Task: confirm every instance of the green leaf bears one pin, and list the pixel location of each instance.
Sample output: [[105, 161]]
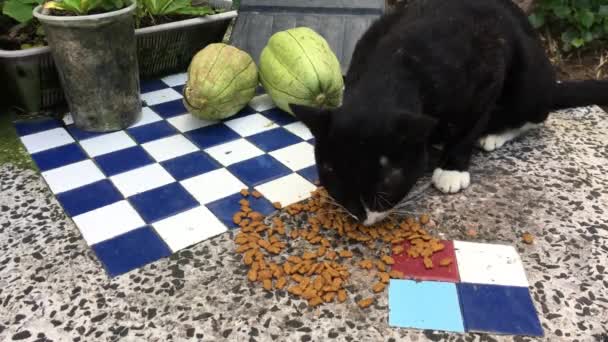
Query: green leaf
[[196, 10], [537, 20], [577, 42], [19, 10], [588, 36], [586, 18], [561, 11], [603, 11]]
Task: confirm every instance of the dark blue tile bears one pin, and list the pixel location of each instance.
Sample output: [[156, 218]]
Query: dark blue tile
[[131, 250], [59, 156], [153, 131], [274, 139], [310, 173], [89, 197], [498, 309], [278, 116], [147, 86], [190, 165], [258, 170], [209, 136], [170, 109], [311, 141], [35, 126], [225, 208], [179, 88], [79, 134], [123, 160], [160, 203]]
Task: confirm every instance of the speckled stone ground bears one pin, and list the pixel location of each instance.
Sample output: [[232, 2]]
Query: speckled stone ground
[[553, 183]]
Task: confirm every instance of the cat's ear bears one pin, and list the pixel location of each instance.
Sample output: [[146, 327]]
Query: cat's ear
[[317, 120], [414, 128]]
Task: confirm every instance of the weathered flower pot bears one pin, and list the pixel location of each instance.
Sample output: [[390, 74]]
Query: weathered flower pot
[[96, 58]]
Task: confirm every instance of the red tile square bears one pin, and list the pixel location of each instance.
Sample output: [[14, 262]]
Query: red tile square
[[414, 268]]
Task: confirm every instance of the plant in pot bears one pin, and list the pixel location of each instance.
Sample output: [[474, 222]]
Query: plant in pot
[[93, 46]]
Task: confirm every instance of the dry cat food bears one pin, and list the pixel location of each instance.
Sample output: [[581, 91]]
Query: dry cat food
[[319, 274], [528, 238]]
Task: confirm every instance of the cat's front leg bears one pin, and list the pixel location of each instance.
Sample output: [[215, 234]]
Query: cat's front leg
[[453, 174]]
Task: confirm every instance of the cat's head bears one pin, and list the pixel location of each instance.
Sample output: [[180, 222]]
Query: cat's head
[[367, 166]]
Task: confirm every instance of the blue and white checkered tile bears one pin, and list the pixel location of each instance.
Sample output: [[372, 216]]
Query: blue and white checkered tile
[[170, 180]]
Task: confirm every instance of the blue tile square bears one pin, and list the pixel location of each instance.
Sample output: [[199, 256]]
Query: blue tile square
[[170, 109], [499, 309], [79, 134], [131, 250], [243, 112], [258, 170], [427, 305], [310, 173], [179, 88], [160, 203], [225, 208], [35, 126], [89, 197], [59, 156], [190, 165], [279, 116], [209, 136], [147, 86], [152, 131], [274, 139], [123, 160]]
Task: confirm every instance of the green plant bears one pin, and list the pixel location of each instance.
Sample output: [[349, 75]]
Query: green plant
[[580, 22], [20, 10], [83, 7], [171, 7]]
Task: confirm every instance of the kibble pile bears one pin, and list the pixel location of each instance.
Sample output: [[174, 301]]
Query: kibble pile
[[319, 275]]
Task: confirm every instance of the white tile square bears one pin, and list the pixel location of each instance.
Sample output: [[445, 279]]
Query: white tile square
[[170, 147], [68, 119], [72, 176], [141, 179], [299, 129], [188, 122], [107, 143], [297, 156], [261, 103], [287, 190], [251, 124], [213, 185], [159, 96], [483, 263], [175, 79], [234, 152], [190, 227], [147, 117], [107, 222], [45, 140]]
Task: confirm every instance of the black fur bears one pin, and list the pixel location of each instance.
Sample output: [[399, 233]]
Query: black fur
[[433, 72]]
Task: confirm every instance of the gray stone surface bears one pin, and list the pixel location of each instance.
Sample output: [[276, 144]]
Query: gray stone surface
[[554, 183]]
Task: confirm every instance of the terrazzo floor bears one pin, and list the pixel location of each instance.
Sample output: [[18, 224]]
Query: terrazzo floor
[[552, 183]]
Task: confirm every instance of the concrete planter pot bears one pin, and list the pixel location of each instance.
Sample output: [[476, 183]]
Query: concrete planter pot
[[96, 58], [161, 50]]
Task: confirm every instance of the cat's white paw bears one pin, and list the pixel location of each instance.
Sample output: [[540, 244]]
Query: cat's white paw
[[492, 142], [449, 182]]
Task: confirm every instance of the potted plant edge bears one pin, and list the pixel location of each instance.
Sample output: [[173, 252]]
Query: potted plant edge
[[93, 46], [168, 34]]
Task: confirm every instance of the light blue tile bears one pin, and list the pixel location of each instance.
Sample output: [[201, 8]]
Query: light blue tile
[[424, 305]]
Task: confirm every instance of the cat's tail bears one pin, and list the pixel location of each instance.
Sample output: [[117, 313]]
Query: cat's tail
[[570, 94]]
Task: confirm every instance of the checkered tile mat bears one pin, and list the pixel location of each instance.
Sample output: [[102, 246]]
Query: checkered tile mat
[[484, 289], [170, 180]]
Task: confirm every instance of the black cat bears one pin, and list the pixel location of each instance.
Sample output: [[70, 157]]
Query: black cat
[[458, 73]]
